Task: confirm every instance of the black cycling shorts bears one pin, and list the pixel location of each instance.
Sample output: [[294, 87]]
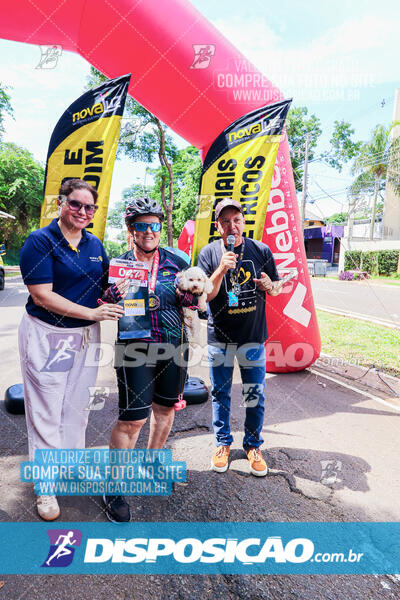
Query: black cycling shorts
[[143, 380]]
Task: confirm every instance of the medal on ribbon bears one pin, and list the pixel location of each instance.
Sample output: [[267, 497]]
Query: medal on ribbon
[[154, 300]]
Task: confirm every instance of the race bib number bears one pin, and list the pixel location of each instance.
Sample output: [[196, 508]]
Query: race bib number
[[119, 269]]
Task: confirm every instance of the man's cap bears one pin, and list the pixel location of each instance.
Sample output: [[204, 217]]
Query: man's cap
[[225, 203]]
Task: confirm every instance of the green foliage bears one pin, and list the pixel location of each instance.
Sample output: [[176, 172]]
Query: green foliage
[[373, 155], [352, 260], [5, 107], [338, 218], [138, 138], [115, 249], [369, 262], [377, 262], [11, 258], [343, 147], [360, 342], [364, 184], [186, 169], [21, 193], [144, 138], [387, 261], [116, 215], [298, 125], [371, 166]]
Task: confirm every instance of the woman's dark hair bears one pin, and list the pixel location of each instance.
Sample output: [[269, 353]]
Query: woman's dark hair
[[70, 185]]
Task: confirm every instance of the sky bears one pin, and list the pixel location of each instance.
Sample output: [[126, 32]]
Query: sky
[[341, 60]]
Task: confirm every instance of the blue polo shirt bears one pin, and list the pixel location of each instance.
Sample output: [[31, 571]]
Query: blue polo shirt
[[47, 257]]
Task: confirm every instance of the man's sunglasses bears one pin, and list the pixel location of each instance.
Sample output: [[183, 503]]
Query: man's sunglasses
[[142, 226], [76, 206]]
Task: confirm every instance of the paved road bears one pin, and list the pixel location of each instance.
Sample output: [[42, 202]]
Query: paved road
[[360, 297], [306, 423]]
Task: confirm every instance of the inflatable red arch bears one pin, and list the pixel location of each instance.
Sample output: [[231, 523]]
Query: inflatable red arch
[[197, 82]]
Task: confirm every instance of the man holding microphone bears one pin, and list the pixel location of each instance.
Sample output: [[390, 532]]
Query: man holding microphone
[[243, 271]]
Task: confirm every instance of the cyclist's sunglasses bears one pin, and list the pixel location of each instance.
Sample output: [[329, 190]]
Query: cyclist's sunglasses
[[142, 226], [76, 206]]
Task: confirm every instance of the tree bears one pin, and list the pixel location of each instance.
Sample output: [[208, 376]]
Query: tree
[[371, 167], [343, 147], [186, 169], [21, 193], [116, 215], [143, 138], [298, 125], [5, 107], [337, 218], [115, 249]]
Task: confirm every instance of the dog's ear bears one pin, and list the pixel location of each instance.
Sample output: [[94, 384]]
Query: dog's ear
[[182, 280], [209, 286]]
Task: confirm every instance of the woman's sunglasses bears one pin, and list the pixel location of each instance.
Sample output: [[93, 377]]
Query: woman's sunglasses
[[76, 206], [142, 226]]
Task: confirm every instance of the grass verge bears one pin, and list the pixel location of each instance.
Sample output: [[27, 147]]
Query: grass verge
[[373, 278], [385, 280], [360, 342]]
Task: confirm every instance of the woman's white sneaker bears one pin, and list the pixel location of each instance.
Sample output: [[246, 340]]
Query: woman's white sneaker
[[47, 507]]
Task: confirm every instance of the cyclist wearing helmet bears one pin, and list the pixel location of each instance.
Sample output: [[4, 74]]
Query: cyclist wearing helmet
[[149, 385]]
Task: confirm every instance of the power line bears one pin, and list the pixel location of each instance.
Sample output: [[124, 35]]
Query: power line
[[317, 207], [322, 190]]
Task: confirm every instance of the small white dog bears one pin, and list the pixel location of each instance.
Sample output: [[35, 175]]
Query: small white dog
[[195, 281]]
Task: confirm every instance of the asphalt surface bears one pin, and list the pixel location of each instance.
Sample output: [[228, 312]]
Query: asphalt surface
[[308, 420], [358, 297]]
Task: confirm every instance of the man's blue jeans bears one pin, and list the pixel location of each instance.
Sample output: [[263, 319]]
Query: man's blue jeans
[[251, 359]]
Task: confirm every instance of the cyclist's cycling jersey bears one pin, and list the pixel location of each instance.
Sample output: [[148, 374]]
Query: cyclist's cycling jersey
[[166, 320]]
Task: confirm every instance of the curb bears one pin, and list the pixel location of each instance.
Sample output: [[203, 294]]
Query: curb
[[392, 401], [367, 318], [366, 378]]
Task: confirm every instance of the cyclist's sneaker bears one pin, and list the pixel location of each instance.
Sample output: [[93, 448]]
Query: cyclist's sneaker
[[219, 461], [117, 509], [47, 507], [258, 466]]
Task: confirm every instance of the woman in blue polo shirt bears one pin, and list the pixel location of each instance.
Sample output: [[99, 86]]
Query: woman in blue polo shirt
[[65, 269]]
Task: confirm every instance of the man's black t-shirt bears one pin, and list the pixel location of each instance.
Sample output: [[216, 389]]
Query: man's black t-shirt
[[246, 322]]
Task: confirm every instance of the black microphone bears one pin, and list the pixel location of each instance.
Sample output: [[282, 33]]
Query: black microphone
[[230, 240]]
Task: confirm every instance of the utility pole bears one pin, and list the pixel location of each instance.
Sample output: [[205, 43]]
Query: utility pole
[[350, 221], [373, 212], [305, 181]]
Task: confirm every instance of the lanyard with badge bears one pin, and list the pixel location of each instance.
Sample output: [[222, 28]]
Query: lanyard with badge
[[233, 294], [154, 300]]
